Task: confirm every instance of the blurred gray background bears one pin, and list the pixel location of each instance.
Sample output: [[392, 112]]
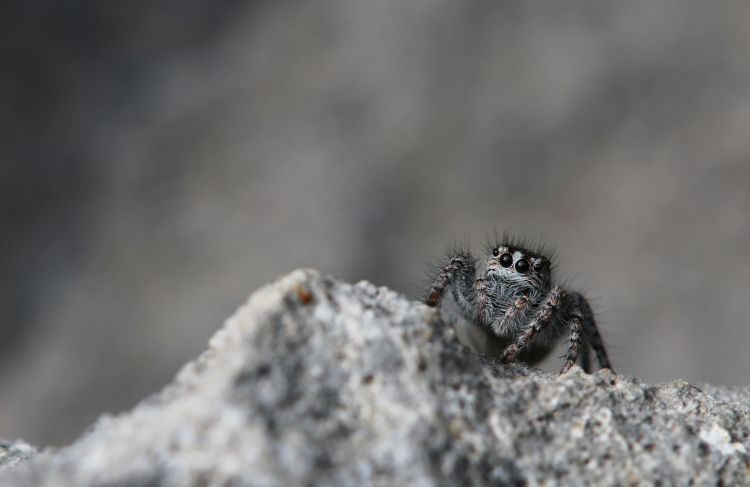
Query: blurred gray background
[[163, 159]]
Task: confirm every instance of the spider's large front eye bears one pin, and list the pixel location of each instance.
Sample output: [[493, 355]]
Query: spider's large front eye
[[506, 260], [522, 266]]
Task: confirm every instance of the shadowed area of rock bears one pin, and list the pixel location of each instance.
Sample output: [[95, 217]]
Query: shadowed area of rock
[[315, 381]]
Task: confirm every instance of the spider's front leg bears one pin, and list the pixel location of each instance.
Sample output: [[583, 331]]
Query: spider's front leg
[[458, 273], [541, 319]]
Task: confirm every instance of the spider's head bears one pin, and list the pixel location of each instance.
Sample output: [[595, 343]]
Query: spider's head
[[519, 266]]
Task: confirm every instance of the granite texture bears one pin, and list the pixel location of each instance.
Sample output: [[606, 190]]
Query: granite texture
[[14, 453], [318, 382]]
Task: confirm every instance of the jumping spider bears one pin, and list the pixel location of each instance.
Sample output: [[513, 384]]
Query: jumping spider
[[516, 297]]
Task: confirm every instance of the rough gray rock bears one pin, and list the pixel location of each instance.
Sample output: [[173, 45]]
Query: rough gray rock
[[14, 453], [315, 381]]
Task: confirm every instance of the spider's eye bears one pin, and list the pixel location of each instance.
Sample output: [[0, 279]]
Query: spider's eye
[[537, 266], [522, 266], [496, 252], [506, 260]]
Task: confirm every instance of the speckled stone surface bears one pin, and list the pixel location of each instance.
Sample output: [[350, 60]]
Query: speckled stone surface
[[315, 381], [14, 453]]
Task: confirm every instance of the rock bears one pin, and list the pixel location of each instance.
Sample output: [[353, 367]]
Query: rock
[[315, 381], [13, 453]]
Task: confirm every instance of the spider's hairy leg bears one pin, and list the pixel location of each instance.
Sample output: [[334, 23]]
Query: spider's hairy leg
[[575, 331], [458, 273], [592, 334], [547, 311], [586, 358]]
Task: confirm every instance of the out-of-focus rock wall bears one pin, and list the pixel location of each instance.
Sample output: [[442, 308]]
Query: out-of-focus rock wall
[[160, 160]]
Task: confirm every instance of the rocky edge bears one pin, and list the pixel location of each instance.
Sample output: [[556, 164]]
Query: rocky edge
[[315, 381]]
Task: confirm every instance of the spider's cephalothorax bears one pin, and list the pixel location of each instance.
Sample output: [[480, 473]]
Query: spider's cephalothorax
[[512, 292]]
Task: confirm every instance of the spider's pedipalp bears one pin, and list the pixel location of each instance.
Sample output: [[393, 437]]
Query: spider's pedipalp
[[514, 316]]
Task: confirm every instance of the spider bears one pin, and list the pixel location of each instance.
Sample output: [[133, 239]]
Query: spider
[[515, 295]]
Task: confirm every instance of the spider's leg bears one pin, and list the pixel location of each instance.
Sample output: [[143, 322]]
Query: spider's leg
[[575, 331], [458, 274], [547, 312], [592, 334], [586, 358], [464, 294]]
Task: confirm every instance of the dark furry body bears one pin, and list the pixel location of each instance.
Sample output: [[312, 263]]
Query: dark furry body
[[515, 296]]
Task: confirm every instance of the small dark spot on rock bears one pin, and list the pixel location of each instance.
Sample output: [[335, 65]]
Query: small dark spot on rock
[[368, 379], [704, 449], [323, 460], [252, 375], [461, 467]]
